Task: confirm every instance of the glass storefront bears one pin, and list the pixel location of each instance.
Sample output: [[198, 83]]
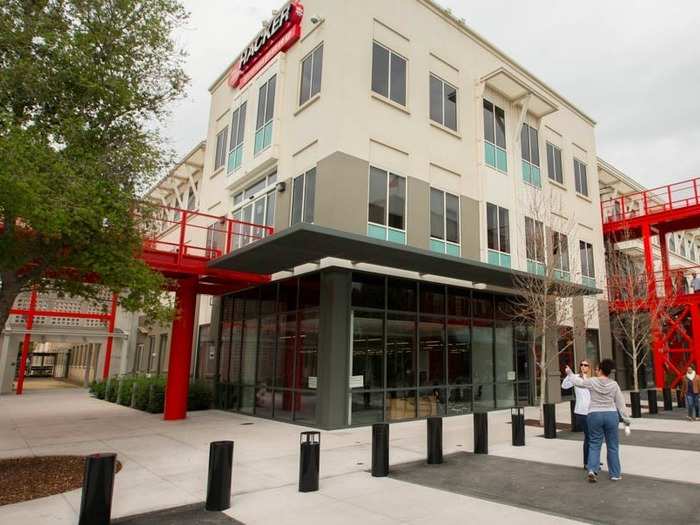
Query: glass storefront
[[421, 349], [267, 360]]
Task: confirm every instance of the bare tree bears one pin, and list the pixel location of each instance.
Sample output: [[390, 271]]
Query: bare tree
[[636, 318], [544, 300]]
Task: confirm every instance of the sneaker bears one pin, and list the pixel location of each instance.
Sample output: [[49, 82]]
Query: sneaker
[[592, 478], [618, 478], [690, 418]]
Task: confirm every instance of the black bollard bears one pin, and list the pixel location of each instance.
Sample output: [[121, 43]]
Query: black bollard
[[98, 484], [380, 450], [434, 440], [309, 461], [652, 401], [668, 399], [219, 480], [680, 399], [574, 422], [481, 433], [550, 421], [517, 419], [636, 402]]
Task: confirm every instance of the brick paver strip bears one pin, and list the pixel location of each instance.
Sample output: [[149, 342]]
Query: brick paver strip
[[650, 438], [187, 515], [559, 490]]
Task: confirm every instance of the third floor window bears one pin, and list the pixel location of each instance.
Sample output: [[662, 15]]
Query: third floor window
[[266, 112], [530, 151], [311, 70], [495, 137], [443, 103], [388, 74]]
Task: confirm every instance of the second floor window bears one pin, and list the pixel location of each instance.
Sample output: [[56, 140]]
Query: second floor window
[[580, 177], [303, 195], [311, 70], [388, 74], [498, 235], [560, 253], [266, 112], [495, 137], [554, 166], [587, 264], [443, 103], [221, 143], [387, 206], [235, 156], [444, 222], [530, 150], [534, 245]]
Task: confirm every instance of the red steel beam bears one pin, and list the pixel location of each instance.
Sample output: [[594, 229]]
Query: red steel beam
[[25, 344], [110, 338]]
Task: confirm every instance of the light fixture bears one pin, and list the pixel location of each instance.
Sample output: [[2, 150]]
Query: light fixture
[[281, 186], [315, 19]]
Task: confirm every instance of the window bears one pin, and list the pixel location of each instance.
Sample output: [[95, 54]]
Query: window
[[444, 222], [498, 235], [530, 149], [443, 103], [387, 206], [235, 156], [495, 137], [580, 177], [388, 74], [303, 195], [266, 112], [587, 266], [311, 70], [534, 246], [560, 253], [672, 242], [220, 155], [682, 244], [554, 169], [192, 198], [592, 346], [255, 205]]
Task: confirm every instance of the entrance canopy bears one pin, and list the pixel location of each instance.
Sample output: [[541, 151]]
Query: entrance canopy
[[309, 243]]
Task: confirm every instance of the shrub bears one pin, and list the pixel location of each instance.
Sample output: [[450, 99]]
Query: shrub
[[97, 389], [200, 396], [125, 390], [156, 396], [111, 396], [141, 394]]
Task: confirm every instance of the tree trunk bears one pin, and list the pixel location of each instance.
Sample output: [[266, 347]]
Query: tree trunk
[[11, 287], [543, 373], [635, 367]]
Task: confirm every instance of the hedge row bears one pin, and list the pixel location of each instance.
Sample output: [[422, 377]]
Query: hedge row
[[148, 393]]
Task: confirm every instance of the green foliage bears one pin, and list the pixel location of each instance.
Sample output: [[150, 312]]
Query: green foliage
[[125, 390], [156, 396], [200, 396], [97, 389], [112, 390], [83, 87]]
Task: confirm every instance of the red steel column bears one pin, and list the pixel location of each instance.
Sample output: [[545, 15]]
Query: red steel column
[[668, 284], [695, 320], [178, 384], [29, 323], [110, 339], [652, 301]]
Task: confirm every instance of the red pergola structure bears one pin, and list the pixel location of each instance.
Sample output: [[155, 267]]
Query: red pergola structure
[[676, 325], [179, 244]]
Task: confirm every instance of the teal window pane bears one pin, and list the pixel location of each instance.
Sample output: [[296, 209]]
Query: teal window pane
[[453, 249], [501, 160], [376, 232], [494, 258], [527, 176], [437, 246], [259, 138], [231, 162], [235, 159], [397, 236], [490, 154], [505, 260], [589, 281], [535, 267], [535, 175], [268, 135]]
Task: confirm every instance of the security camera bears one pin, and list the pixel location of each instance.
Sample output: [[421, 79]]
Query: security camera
[[315, 20]]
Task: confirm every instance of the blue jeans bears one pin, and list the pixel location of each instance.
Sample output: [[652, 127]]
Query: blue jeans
[[604, 425], [692, 401], [583, 424]]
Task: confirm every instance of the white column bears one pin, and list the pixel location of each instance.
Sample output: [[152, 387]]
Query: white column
[[8, 358]]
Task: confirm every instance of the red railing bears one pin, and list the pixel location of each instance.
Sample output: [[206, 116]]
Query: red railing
[[196, 235], [665, 198]]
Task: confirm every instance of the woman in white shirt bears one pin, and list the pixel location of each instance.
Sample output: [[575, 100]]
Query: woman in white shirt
[[583, 404]]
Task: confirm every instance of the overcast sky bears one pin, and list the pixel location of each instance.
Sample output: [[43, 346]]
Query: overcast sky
[[632, 65]]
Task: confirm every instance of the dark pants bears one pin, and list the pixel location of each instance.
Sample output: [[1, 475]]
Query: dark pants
[[582, 422], [692, 402]]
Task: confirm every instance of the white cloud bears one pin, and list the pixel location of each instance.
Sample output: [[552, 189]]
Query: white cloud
[[633, 66]]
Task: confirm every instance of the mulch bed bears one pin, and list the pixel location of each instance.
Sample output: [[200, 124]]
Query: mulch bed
[[27, 478]]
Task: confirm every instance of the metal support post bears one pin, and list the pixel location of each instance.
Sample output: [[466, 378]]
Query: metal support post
[[98, 485], [309, 461], [380, 450], [481, 433], [434, 440], [550, 421], [219, 479]]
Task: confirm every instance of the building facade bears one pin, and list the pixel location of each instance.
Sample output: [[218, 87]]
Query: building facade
[[370, 126]]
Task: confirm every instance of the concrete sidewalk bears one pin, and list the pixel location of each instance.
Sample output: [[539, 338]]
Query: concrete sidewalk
[[165, 463]]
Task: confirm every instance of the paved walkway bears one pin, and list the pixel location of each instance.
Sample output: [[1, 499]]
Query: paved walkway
[[165, 463]]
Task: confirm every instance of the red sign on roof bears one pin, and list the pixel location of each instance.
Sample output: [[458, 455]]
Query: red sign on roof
[[280, 34]]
